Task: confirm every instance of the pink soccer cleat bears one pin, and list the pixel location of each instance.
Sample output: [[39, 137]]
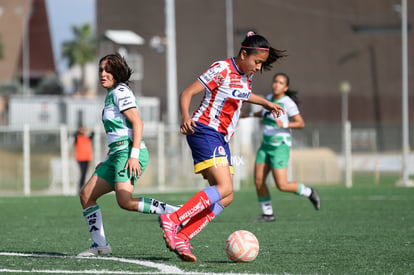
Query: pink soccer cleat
[[182, 249], [169, 229]]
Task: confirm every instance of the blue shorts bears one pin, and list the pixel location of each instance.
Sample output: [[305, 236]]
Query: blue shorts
[[209, 148]]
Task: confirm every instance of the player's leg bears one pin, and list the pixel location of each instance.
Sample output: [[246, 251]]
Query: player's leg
[[217, 171], [91, 191], [204, 144], [261, 171], [201, 209], [279, 159], [300, 189], [124, 192], [281, 181], [83, 165], [200, 201], [279, 164], [124, 187], [221, 179]]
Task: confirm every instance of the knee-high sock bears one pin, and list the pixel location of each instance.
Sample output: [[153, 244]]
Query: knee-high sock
[[200, 201], [93, 217], [153, 206], [199, 221]]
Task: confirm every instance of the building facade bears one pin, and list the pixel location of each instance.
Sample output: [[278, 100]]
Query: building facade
[[327, 42]]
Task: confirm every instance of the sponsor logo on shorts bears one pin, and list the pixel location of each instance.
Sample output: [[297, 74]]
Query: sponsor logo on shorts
[[220, 152]]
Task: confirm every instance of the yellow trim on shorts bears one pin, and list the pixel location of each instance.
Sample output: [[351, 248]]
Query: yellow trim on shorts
[[219, 161]]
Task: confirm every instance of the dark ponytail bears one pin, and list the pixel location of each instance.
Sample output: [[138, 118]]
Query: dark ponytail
[[253, 43], [290, 93]]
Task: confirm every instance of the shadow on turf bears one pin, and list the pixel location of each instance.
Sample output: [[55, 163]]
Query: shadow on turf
[[37, 254], [219, 262]]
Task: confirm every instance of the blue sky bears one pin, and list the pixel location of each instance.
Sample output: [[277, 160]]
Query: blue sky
[[63, 14]]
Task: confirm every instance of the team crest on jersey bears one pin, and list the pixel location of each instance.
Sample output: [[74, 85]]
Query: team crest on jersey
[[219, 79], [212, 72], [219, 151]]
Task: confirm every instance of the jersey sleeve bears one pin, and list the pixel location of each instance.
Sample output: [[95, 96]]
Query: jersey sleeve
[[124, 98], [291, 108], [214, 76]]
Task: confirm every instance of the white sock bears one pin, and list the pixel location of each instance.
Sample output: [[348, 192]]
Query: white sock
[[93, 217], [266, 206], [153, 206], [304, 190]]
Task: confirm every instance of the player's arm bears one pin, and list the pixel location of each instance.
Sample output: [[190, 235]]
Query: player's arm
[[295, 122], [276, 109], [251, 114], [134, 118], [187, 124]]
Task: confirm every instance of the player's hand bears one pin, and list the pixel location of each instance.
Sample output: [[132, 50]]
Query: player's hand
[[279, 123], [276, 109], [187, 126], [133, 166]]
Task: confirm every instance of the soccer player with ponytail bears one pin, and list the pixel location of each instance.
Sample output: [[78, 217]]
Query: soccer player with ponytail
[[273, 154], [226, 85]]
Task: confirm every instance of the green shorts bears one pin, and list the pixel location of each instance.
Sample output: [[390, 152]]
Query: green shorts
[[276, 156], [112, 170]]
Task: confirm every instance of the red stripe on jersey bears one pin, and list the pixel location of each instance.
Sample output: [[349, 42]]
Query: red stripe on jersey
[[227, 113], [202, 109]]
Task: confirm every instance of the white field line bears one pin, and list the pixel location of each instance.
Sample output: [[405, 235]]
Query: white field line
[[57, 271], [161, 268]]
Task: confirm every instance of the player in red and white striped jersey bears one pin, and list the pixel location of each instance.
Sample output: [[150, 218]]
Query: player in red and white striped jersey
[[226, 85]]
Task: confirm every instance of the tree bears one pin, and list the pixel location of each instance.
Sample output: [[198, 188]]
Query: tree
[[80, 50]]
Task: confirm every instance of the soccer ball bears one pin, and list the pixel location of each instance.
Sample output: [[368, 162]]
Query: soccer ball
[[242, 246]]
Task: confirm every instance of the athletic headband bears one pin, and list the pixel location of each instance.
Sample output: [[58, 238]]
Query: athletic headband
[[255, 48]]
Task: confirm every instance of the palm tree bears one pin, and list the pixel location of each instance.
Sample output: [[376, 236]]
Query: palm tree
[[80, 50]]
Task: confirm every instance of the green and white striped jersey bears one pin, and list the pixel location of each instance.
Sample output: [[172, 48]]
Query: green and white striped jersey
[[272, 134], [118, 129]]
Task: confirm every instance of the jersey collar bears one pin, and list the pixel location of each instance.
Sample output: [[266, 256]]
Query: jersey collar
[[233, 62]]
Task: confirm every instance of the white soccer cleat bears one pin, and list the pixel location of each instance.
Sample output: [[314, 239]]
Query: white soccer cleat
[[96, 250]]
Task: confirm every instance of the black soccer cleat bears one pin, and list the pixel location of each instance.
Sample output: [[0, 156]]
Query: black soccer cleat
[[265, 218], [314, 198]]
